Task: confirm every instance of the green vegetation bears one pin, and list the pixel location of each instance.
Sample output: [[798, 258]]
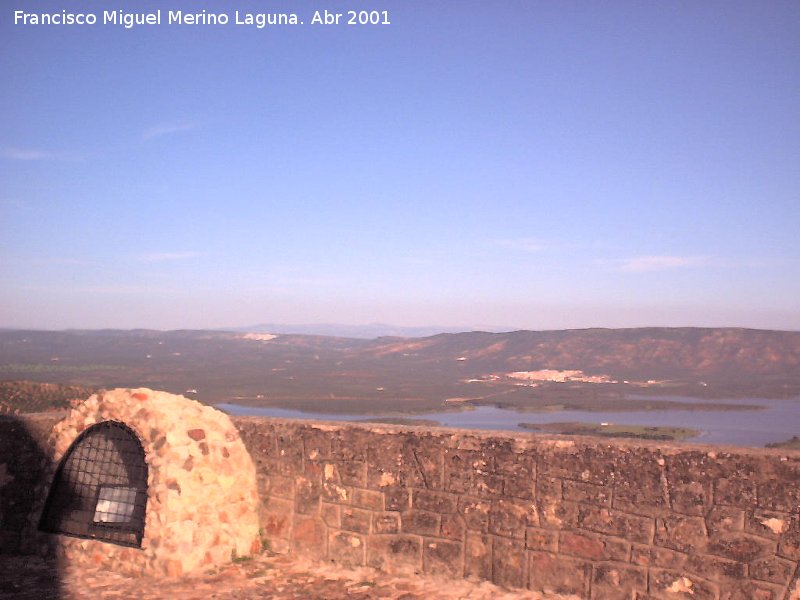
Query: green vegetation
[[791, 444], [642, 432], [29, 396], [54, 368], [402, 421], [235, 558]]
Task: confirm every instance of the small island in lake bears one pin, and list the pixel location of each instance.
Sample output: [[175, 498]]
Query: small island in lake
[[642, 432]]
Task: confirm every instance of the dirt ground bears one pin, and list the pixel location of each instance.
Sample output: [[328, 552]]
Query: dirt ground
[[273, 577]]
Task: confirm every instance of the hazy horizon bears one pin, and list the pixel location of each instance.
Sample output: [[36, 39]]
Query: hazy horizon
[[515, 165]]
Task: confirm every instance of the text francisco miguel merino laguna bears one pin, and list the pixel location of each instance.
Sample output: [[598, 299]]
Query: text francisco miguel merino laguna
[[173, 17]]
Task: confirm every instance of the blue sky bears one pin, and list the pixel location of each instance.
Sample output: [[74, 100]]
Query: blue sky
[[500, 164]]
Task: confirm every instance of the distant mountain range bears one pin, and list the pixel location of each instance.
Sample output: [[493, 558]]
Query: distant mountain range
[[413, 372], [367, 331]]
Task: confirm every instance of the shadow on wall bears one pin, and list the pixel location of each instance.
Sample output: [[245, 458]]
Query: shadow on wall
[[23, 467]]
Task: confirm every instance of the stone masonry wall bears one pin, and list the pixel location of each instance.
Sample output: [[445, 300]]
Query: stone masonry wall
[[602, 520]]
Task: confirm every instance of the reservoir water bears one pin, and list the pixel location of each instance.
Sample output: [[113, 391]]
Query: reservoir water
[[777, 421]]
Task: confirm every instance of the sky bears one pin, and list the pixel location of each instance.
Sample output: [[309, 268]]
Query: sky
[[508, 164]]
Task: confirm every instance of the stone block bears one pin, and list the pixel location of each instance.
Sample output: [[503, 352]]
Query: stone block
[[346, 549], [442, 558], [395, 553], [613, 581], [387, 522], [276, 517], [592, 546], [724, 519], [654, 556], [543, 540], [356, 519], [335, 493], [420, 522], [352, 473], [682, 533], [307, 494], [331, 515], [553, 574], [509, 518], [773, 569], [715, 568], [478, 556], [558, 514], [678, 585], [765, 523], [588, 493], [753, 590], [475, 513], [316, 444], [487, 485], [742, 547], [281, 486], [453, 527], [457, 472], [509, 563], [691, 498], [519, 484], [776, 495], [308, 537], [370, 499], [735, 491], [396, 498], [612, 522], [434, 501], [428, 462]]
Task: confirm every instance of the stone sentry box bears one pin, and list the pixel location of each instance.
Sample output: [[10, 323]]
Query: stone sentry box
[[147, 482]]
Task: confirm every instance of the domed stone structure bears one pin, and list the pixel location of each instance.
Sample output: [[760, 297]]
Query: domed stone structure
[[150, 483]]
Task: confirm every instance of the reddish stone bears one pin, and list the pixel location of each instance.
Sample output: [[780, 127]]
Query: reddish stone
[[347, 549], [386, 523], [679, 585], [442, 558], [395, 553], [612, 522], [368, 499], [308, 537], [509, 563], [356, 519], [555, 574], [418, 521], [453, 526], [541, 539], [139, 395], [196, 434], [679, 532], [743, 548], [434, 501], [510, 518], [618, 582], [592, 546], [478, 556]]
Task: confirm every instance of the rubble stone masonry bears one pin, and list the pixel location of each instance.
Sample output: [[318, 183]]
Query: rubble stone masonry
[[601, 520], [598, 519]]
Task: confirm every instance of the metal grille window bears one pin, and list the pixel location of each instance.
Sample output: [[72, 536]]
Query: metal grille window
[[100, 488]]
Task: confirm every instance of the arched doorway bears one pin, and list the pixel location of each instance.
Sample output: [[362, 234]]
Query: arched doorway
[[100, 488]]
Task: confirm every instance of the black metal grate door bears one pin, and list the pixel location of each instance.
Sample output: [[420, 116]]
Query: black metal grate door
[[100, 488]]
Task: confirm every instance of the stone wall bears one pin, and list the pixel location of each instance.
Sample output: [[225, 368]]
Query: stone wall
[[596, 519], [201, 485], [602, 520]]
